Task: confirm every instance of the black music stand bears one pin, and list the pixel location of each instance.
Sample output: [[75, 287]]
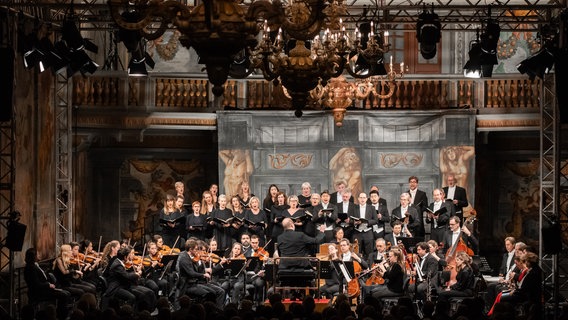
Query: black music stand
[[345, 271], [326, 270], [168, 261], [410, 242]]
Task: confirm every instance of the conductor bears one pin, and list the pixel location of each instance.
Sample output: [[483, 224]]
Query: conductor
[[294, 243]]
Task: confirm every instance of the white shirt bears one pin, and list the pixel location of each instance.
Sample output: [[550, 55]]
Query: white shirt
[[339, 197], [455, 236], [412, 195], [451, 193], [347, 256], [345, 207], [437, 206], [403, 211]]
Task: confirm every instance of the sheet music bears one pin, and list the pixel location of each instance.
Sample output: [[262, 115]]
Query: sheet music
[[344, 271]]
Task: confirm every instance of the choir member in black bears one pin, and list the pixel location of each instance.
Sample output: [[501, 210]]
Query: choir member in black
[[337, 196], [245, 195], [182, 191], [214, 190], [271, 197], [221, 230], [331, 286], [419, 200], [207, 204], [295, 213], [438, 216], [345, 208], [256, 220], [123, 284], [182, 211], [363, 230], [463, 287], [324, 214], [154, 270], [66, 274], [276, 216], [238, 224], [170, 221], [393, 274], [304, 198], [109, 254], [39, 286], [194, 274], [338, 234], [455, 195], [381, 215], [195, 223]]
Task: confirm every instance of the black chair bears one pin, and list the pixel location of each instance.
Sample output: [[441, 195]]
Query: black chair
[[297, 278]]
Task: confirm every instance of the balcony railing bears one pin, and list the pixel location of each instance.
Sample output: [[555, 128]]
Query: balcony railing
[[192, 93]]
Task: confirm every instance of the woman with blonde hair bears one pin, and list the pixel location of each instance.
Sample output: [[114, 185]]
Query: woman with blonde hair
[[67, 275], [463, 287], [392, 271], [207, 203], [245, 195]]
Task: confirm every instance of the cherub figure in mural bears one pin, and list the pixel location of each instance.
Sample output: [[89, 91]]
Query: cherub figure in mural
[[455, 160], [345, 165], [238, 168]]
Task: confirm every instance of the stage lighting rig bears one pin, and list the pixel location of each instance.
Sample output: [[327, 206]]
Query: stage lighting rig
[[428, 33]]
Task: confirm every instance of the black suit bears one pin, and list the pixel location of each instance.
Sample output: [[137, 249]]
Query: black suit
[[293, 243], [504, 266], [438, 231], [389, 238], [383, 222], [420, 202], [529, 290], [333, 198], [123, 285], [365, 238], [39, 289], [461, 196], [470, 241], [429, 269], [329, 219], [192, 279], [347, 229], [414, 223]]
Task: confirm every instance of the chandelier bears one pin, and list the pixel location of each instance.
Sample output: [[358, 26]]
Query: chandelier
[[300, 44]]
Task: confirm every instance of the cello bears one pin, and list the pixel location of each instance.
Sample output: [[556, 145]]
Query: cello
[[353, 288]]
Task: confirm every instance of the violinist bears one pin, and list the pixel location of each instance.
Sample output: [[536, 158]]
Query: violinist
[[153, 269], [124, 285], [64, 273], [393, 274], [246, 246], [92, 257], [78, 262], [464, 279], [257, 277], [194, 274], [195, 222], [109, 254], [455, 234], [380, 254]]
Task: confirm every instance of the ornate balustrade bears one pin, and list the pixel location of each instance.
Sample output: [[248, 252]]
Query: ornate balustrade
[[191, 93]]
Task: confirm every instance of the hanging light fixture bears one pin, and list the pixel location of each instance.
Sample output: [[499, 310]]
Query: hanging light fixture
[[542, 62], [483, 51], [428, 32]]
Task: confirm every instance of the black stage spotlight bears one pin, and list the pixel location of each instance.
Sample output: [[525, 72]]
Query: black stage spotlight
[[76, 45], [137, 65], [134, 43], [428, 33], [537, 65], [472, 68]]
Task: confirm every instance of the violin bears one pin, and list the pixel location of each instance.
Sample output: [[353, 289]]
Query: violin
[[166, 250], [261, 253], [136, 261], [209, 256]]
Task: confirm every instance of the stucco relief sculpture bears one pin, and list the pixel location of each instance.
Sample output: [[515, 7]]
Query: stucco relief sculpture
[[407, 159], [345, 166], [296, 161], [238, 168]]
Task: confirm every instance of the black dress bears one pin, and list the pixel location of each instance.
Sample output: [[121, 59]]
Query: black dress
[[198, 223], [221, 233], [260, 221]]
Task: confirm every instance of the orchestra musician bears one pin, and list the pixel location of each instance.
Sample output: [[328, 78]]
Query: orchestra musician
[[505, 271], [434, 248], [392, 273], [397, 233], [79, 262], [331, 286], [66, 273], [407, 215], [439, 219], [39, 285], [338, 234], [464, 279], [425, 270], [381, 214], [109, 254], [455, 234], [325, 214], [246, 249], [380, 254], [195, 222], [153, 269], [194, 274], [123, 284], [235, 282], [255, 274]]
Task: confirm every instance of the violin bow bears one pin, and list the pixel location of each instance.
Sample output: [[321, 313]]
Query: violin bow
[[175, 244], [100, 242]]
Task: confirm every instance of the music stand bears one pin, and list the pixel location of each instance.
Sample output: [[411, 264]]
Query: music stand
[[345, 269], [410, 242], [236, 266], [168, 261], [326, 270]]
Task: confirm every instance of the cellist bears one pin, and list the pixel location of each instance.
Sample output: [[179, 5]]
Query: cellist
[[359, 265]]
